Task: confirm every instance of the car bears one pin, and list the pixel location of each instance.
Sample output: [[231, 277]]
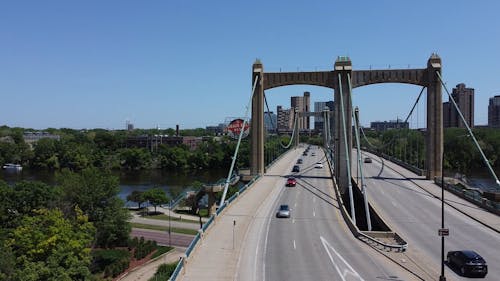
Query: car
[[291, 181], [467, 262], [313, 154], [368, 160], [283, 212], [296, 169], [318, 165], [299, 161], [304, 154]]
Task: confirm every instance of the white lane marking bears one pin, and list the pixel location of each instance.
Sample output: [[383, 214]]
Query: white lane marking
[[394, 203], [294, 246], [346, 267], [314, 199], [293, 220], [295, 205], [314, 213]]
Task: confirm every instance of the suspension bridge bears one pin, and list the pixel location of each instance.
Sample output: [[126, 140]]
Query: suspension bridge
[[352, 220]]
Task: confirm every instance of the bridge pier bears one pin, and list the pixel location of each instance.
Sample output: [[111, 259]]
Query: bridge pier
[[343, 67]]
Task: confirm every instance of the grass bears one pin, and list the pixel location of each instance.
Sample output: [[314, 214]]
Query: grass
[[160, 250], [165, 228]]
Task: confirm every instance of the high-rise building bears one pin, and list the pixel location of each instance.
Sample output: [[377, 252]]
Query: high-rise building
[[270, 121], [285, 119], [302, 105], [464, 97], [319, 107], [494, 112]]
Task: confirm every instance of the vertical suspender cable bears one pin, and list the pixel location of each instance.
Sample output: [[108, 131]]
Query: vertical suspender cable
[[470, 132], [348, 153], [363, 187], [226, 185]]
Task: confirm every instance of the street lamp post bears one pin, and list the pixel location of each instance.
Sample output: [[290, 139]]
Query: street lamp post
[[442, 277], [169, 225]]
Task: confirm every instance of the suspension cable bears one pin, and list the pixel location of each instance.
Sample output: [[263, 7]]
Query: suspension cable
[[293, 132], [269, 114], [228, 179], [486, 161], [348, 163], [363, 187]]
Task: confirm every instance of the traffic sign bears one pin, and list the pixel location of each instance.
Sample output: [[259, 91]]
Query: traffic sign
[[444, 232]]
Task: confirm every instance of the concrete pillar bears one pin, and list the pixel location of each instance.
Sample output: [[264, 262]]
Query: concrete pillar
[[343, 66], [434, 138], [257, 123]]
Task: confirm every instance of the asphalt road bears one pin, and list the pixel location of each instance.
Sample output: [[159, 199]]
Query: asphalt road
[[315, 243], [161, 237], [416, 216]]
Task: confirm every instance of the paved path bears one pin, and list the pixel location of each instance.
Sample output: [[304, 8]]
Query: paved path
[[216, 258], [146, 271]]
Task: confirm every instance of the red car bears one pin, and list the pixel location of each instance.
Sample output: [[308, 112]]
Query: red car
[[291, 181]]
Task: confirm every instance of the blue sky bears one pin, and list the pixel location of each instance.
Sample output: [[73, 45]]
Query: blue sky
[[95, 64]]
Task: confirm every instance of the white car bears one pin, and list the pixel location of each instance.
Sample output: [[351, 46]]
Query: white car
[[318, 165]]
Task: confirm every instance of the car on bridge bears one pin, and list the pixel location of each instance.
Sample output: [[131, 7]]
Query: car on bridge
[[368, 160], [291, 181], [283, 212], [299, 161], [318, 165], [296, 169], [467, 262]]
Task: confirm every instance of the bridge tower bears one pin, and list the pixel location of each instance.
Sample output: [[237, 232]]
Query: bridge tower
[[342, 68], [257, 165], [434, 137]]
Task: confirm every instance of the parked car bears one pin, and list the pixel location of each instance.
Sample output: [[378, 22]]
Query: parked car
[[299, 161], [291, 181], [368, 160], [283, 212], [296, 169], [467, 262], [318, 165]]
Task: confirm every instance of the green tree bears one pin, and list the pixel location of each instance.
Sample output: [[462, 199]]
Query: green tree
[[49, 247], [156, 196], [135, 158], [136, 196], [95, 192]]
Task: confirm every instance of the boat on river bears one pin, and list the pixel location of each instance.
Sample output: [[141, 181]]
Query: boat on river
[[12, 167]]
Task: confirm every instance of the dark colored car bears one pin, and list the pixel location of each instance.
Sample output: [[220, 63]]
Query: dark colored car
[[296, 169], [299, 161], [283, 212], [467, 262], [291, 181], [368, 160]]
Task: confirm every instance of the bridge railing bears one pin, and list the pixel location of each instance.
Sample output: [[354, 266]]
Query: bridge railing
[[204, 228]]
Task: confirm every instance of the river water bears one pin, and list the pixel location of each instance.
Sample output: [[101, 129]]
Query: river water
[[172, 182]]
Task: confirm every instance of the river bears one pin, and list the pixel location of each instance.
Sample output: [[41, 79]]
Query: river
[[169, 181]]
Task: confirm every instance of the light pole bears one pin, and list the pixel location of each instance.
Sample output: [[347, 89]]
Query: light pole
[[442, 277], [169, 225]]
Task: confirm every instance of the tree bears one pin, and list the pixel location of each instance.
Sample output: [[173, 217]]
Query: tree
[[95, 192], [135, 158], [156, 196], [136, 196], [48, 246]]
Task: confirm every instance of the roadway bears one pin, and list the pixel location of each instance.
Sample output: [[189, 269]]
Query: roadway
[[416, 215], [314, 243]]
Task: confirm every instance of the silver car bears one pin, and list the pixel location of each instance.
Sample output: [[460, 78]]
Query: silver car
[[283, 212]]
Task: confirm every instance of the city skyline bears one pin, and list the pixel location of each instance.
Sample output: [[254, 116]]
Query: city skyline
[[96, 65]]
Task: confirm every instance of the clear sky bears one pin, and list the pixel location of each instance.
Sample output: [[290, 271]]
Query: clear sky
[[96, 64]]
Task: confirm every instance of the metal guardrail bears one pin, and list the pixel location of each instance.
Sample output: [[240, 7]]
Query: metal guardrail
[[177, 270]]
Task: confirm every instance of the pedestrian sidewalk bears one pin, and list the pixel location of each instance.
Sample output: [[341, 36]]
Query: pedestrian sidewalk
[[148, 270], [216, 256]]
